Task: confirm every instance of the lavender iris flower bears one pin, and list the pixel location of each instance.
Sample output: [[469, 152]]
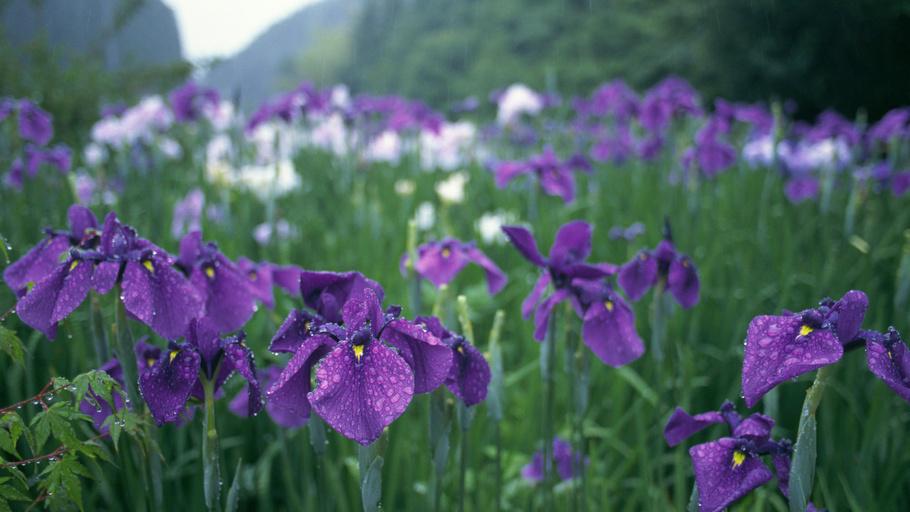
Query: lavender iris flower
[[229, 302], [894, 124], [564, 459], [889, 359], [663, 266], [35, 124], [780, 348], [187, 215], [802, 188], [168, 384], [608, 324], [469, 376], [731, 467], [153, 291], [554, 175], [59, 157], [190, 101], [440, 261]]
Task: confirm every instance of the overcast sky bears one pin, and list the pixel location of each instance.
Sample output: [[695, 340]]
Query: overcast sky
[[218, 28]]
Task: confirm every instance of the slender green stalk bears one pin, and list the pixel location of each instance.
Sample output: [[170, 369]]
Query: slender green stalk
[[319, 444], [802, 469], [287, 472], [658, 322], [547, 364], [440, 426], [99, 333], [495, 398], [211, 454], [125, 349], [465, 416]]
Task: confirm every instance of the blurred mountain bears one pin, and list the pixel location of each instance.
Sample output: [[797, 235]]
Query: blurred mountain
[[311, 44], [120, 33]]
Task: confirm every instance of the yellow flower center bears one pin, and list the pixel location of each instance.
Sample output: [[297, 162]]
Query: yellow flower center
[[172, 356], [73, 265], [148, 266], [446, 252], [358, 352], [609, 305], [805, 330], [210, 272], [150, 362], [738, 458]]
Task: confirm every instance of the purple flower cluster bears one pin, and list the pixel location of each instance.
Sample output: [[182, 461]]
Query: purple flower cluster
[[564, 459], [368, 362], [555, 176], [36, 130], [665, 267], [440, 261]]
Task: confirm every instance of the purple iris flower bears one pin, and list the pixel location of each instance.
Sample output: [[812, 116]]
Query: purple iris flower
[[7, 106], [469, 376], [616, 147], [554, 175], [239, 405], [259, 280], [900, 183], [608, 324], [663, 266], [889, 359], [60, 157], [564, 459], [894, 124], [780, 348], [712, 155], [801, 188], [153, 291], [168, 384], [671, 97], [731, 467], [327, 292], [440, 261], [190, 101], [229, 302], [35, 124]]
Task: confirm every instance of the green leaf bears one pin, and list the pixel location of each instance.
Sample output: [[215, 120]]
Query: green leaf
[[370, 477], [12, 345], [233, 497], [693, 500], [10, 493], [646, 392], [802, 469]]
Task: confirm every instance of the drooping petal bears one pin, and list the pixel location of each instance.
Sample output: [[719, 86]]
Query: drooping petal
[[544, 310], [259, 280], [190, 249], [37, 263], [559, 182], [166, 386], [469, 377], [105, 277], [496, 278], [524, 241], [160, 297], [572, 244], [56, 296], [530, 302], [889, 360], [507, 171], [202, 334], [327, 292], [588, 270], [776, 351], [287, 277], [239, 358], [850, 309], [682, 425], [781, 462], [360, 395], [297, 327], [638, 275], [564, 459], [427, 356], [682, 282], [228, 300], [609, 331], [287, 396], [723, 474]]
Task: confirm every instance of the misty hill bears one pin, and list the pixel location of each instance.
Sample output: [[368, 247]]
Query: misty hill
[[121, 33], [310, 44]]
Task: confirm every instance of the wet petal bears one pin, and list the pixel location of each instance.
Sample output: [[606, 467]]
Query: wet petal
[[259, 280], [56, 296], [239, 358], [524, 241], [297, 327], [287, 277], [496, 278], [638, 275], [427, 356], [527, 307], [682, 282], [682, 425], [850, 309], [439, 263], [469, 377], [160, 297], [37, 263], [287, 399], [757, 426], [361, 309], [228, 301], [505, 172], [890, 362], [544, 309], [775, 352], [609, 331], [572, 244], [166, 386], [782, 463], [723, 477], [327, 292], [360, 398], [81, 220], [105, 277]]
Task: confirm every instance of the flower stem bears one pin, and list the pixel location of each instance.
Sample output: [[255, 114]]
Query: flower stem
[[125, 349], [802, 469], [465, 415], [210, 450], [577, 368], [370, 476], [658, 322], [440, 424], [318, 442], [547, 362], [494, 398]]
